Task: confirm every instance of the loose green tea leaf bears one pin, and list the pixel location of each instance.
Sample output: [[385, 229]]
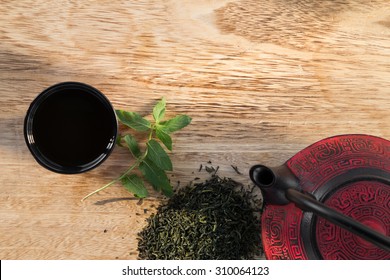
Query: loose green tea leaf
[[132, 145], [159, 110], [157, 154], [156, 177], [133, 120], [213, 220], [164, 138], [175, 124], [135, 185]]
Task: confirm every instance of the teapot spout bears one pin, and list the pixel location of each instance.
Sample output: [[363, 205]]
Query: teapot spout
[[274, 182]]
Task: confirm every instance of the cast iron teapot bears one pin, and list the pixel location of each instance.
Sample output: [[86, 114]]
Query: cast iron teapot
[[329, 201]]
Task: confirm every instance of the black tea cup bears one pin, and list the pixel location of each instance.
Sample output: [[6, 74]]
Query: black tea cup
[[70, 128]]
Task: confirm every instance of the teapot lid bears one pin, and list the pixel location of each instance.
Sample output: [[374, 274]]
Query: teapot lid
[[349, 173]]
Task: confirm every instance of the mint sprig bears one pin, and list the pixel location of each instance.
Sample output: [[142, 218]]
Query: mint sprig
[[154, 161]]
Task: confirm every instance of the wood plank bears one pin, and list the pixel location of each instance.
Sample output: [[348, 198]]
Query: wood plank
[[261, 80]]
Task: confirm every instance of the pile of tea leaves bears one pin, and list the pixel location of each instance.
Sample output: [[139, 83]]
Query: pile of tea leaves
[[212, 220]]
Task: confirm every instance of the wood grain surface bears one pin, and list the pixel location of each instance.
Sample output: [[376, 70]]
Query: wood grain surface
[[261, 80]]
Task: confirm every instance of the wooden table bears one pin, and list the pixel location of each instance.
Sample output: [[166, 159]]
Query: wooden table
[[261, 80]]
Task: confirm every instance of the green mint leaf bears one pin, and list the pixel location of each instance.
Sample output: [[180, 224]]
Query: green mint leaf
[[157, 154], [164, 138], [156, 177], [132, 145], [174, 124], [119, 140], [154, 161], [133, 120], [135, 185], [159, 110]]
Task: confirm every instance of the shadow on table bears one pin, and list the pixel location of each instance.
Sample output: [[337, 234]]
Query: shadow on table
[[111, 200]]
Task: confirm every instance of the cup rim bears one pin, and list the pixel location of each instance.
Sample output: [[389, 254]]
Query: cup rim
[[29, 137]]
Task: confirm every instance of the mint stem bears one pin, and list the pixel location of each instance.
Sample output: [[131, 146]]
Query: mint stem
[[139, 160]]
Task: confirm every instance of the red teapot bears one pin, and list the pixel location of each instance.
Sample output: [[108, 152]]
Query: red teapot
[[329, 201]]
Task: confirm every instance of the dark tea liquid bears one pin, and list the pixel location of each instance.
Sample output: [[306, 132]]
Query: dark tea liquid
[[72, 128]]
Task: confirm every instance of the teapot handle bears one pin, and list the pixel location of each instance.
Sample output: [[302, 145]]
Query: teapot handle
[[308, 203]]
